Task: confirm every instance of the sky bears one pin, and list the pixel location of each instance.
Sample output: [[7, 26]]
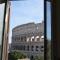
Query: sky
[[26, 11]]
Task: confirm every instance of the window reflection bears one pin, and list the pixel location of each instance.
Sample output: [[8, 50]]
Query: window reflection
[[48, 30], [1, 24]]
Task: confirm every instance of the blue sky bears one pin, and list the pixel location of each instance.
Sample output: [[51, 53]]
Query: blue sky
[[26, 11]]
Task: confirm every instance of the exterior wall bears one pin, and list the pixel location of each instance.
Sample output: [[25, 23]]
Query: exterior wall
[[27, 38]]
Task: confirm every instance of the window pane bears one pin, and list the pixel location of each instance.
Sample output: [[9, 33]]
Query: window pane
[[1, 24], [49, 30]]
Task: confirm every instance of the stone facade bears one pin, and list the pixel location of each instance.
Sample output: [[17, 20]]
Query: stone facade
[[29, 39]]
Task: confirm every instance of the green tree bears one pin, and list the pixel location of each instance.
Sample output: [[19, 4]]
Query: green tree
[[39, 57], [16, 55]]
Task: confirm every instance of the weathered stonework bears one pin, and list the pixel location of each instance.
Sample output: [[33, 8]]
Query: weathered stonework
[[28, 38]]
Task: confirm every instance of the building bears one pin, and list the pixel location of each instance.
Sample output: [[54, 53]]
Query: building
[[29, 39]]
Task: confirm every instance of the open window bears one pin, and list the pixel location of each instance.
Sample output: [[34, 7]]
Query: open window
[[1, 25], [26, 20]]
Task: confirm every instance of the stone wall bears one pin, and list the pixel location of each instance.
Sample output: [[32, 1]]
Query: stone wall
[[27, 38]]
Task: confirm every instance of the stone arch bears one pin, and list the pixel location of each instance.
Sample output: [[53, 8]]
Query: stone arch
[[37, 38], [42, 38], [28, 39], [32, 38]]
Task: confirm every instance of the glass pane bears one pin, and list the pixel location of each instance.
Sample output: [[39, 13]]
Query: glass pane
[[1, 24], [49, 30], [26, 36]]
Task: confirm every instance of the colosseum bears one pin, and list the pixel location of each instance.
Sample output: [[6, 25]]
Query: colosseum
[[29, 39]]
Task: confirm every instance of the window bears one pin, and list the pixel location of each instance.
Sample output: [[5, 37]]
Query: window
[[25, 38], [28, 39], [42, 50], [37, 48], [21, 38], [24, 48], [32, 48], [32, 38], [42, 46], [18, 38], [25, 9], [2, 6], [48, 5], [26, 16], [27, 48], [37, 38]]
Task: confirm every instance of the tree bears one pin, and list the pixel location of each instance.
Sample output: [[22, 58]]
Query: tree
[[39, 57], [16, 55]]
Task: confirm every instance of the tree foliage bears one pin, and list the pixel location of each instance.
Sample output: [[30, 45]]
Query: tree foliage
[[39, 57], [16, 55]]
